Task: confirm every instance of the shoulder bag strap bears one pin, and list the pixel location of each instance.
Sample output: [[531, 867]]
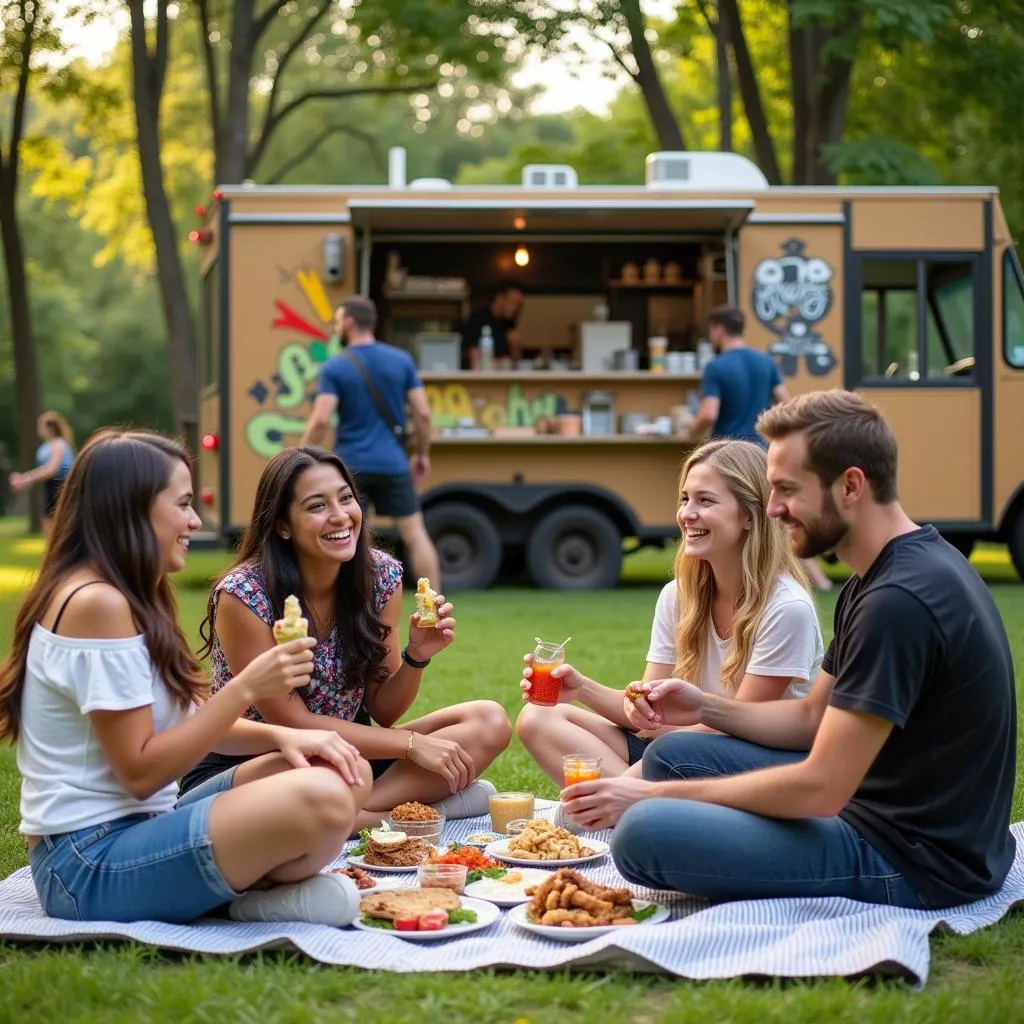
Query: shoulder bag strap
[[372, 388]]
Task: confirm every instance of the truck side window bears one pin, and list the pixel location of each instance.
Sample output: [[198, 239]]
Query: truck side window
[[1013, 311], [917, 319]]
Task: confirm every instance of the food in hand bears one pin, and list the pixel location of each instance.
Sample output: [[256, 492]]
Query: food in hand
[[414, 811], [633, 695], [541, 840], [395, 852], [293, 626], [569, 900], [360, 877], [426, 603]]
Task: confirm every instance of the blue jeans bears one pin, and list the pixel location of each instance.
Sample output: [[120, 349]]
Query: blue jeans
[[724, 854], [142, 867]]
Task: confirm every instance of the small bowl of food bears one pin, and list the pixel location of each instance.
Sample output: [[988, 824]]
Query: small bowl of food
[[443, 876], [481, 839], [417, 821], [516, 827]]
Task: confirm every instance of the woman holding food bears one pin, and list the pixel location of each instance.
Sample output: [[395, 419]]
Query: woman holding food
[[108, 706], [306, 539], [736, 619]]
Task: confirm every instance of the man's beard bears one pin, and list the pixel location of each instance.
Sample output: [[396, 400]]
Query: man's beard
[[823, 534]]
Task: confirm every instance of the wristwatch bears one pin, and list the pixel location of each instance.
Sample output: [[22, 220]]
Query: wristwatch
[[411, 661]]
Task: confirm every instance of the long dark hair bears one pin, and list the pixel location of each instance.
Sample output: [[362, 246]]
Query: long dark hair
[[361, 634], [102, 519]]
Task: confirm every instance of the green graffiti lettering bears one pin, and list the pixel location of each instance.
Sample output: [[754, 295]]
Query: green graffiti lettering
[[266, 432], [296, 368]]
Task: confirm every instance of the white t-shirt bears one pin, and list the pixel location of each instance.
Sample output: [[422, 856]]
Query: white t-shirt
[[787, 641], [67, 782]]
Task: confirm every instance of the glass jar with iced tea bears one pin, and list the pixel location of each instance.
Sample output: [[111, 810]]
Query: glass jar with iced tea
[[544, 688]]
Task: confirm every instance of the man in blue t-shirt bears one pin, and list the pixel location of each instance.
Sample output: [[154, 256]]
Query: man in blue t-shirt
[[370, 443], [738, 384]]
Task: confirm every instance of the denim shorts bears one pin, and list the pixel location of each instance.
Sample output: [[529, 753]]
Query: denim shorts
[[142, 867]]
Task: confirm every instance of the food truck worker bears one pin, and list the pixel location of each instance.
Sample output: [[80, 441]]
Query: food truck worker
[[501, 316]]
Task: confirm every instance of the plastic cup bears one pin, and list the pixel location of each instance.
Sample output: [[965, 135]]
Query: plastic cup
[[580, 768], [545, 689]]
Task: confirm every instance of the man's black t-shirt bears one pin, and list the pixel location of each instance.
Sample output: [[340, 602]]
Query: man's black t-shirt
[[919, 641], [473, 327]]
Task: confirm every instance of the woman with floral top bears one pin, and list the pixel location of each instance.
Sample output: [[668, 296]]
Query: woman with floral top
[[306, 538]]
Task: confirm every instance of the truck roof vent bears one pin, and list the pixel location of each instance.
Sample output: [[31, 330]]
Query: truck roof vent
[[704, 172], [430, 183], [549, 176]]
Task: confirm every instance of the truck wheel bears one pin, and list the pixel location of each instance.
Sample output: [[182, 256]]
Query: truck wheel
[[575, 548], [468, 545], [1017, 544]]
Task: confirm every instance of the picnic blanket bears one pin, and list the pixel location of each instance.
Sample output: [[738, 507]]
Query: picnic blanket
[[783, 938]]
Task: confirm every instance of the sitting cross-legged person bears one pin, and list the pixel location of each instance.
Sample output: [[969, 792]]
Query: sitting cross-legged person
[[891, 782], [307, 539], [737, 619]]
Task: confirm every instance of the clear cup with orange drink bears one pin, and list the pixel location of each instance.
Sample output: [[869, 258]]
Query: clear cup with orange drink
[[545, 689], [580, 768]]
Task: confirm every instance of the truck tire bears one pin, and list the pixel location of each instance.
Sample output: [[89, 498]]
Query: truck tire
[[468, 545], [575, 548], [1016, 544]]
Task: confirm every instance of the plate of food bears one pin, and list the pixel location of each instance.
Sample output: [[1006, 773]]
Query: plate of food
[[543, 843], [389, 852], [506, 887], [365, 883], [570, 908], [421, 915]]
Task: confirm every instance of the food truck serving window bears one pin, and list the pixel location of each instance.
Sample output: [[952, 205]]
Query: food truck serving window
[[918, 319], [1013, 311]]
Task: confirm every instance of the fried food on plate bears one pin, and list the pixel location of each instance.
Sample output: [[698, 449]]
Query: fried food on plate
[[407, 903], [541, 840], [569, 900]]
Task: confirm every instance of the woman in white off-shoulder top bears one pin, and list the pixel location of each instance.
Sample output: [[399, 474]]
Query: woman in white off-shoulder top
[[108, 707]]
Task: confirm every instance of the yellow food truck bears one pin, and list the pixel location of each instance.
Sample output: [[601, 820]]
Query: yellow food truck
[[569, 458]]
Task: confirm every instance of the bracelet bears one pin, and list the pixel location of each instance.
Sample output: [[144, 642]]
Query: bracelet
[[408, 749], [411, 661]]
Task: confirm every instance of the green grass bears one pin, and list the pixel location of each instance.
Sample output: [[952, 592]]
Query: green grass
[[975, 978]]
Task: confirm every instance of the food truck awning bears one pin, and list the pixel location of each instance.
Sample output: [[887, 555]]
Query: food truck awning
[[441, 214]]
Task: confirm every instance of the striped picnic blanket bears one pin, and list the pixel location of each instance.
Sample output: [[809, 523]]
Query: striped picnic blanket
[[785, 938]]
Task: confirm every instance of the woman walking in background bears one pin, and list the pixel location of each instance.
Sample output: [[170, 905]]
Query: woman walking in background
[[54, 458]]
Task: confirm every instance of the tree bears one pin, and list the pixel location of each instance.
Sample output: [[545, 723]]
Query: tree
[[27, 32]]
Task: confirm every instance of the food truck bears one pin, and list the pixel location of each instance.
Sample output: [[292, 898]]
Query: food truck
[[568, 459]]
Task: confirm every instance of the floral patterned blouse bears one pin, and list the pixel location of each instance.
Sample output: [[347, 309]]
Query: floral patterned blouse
[[328, 693]]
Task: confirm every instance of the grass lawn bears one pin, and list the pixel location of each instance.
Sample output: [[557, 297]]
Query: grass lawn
[[977, 978]]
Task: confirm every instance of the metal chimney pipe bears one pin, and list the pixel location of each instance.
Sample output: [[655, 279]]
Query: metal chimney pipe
[[396, 167]]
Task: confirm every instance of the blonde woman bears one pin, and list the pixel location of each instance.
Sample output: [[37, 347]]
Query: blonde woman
[[737, 619], [53, 460]]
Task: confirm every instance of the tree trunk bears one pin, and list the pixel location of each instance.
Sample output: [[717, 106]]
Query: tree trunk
[[724, 85], [26, 372], [666, 127], [746, 80], [231, 165], [820, 94], [147, 82]]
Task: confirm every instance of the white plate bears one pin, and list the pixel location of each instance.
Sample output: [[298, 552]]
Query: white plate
[[486, 915], [506, 894], [379, 884], [517, 915], [499, 851], [356, 860]]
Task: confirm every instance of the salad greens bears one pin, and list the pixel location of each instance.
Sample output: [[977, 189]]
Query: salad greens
[[478, 873], [460, 916], [646, 912]]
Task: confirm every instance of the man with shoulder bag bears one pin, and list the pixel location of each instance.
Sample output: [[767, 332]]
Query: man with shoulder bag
[[369, 384]]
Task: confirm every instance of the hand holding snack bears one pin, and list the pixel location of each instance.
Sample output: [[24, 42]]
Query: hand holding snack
[[650, 705], [568, 678], [278, 671], [431, 626]]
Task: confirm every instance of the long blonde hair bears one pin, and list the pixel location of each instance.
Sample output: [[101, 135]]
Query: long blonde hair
[[766, 557], [60, 426]]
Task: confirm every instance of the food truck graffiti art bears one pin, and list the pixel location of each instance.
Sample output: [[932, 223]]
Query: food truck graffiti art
[[792, 293], [284, 396]]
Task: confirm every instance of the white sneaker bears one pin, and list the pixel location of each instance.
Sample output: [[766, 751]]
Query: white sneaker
[[560, 819], [323, 899], [471, 802]]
